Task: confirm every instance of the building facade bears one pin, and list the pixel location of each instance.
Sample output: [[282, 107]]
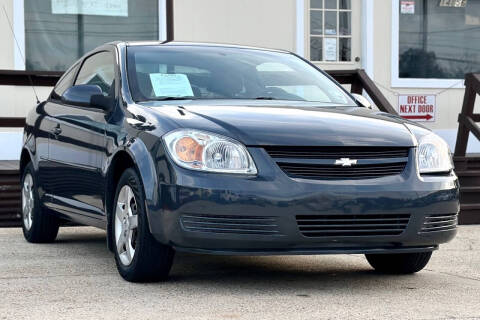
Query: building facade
[[413, 50]]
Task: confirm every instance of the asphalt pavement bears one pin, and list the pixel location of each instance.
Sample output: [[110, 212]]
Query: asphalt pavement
[[75, 278]]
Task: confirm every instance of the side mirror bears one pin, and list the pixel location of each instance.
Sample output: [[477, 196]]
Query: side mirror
[[361, 100], [86, 95]]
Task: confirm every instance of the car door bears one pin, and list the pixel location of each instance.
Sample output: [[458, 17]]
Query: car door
[[77, 144], [45, 124]]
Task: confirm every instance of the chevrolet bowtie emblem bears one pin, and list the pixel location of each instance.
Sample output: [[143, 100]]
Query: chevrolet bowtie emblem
[[345, 162]]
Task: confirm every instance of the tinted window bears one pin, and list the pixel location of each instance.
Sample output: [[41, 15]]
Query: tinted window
[[98, 69], [65, 82], [59, 32], [439, 39], [207, 72]]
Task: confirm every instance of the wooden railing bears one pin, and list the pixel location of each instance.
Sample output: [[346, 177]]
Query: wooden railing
[[359, 81], [467, 120], [10, 194], [467, 166], [12, 123], [25, 78]]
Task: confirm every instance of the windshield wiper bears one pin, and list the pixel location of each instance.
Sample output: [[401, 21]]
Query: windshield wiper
[[173, 98], [265, 98]]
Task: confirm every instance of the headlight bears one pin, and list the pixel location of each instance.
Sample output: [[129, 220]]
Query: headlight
[[205, 151], [433, 154]]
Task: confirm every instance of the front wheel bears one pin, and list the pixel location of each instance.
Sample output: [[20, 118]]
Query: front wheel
[[399, 263], [139, 257]]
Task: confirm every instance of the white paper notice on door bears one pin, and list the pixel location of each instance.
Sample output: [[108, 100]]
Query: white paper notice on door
[[330, 49], [116, 8]]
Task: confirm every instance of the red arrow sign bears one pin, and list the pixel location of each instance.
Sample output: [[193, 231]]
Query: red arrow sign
[[424, 117]]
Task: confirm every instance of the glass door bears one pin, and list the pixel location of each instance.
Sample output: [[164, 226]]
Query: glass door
[[333, 36]]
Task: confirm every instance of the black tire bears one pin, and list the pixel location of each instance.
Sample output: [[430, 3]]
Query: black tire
[[151, 260], [44, 226], [399, 263]]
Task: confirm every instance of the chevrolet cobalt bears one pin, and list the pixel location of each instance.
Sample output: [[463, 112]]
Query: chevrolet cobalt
[[230, 150]]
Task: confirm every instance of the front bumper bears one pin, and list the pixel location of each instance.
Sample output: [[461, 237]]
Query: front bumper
[[219, 202]]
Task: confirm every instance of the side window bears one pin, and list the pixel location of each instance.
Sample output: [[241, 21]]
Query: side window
[[98, 69], [65, 82]]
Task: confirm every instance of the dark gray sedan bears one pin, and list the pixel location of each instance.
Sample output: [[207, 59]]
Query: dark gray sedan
[[230, 150]]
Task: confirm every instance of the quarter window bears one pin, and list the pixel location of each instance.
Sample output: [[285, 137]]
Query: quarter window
[[330, 30], [98, 70]]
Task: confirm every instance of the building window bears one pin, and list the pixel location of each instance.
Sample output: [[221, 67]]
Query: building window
[[330, 30], [59, 32], [438, 39]]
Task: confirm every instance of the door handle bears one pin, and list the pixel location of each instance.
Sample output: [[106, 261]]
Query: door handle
[[57, 130]]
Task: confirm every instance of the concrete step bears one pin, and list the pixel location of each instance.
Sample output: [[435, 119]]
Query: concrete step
[[469, 197], [469, 217], [470, 189], [469, 206], [467, 173], [467, 181]]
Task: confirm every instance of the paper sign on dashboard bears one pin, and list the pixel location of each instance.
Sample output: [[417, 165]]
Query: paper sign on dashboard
[[171, 85]]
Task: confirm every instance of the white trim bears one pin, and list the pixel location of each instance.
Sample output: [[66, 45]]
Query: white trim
[[11, 142], [450, 136], [162, 20], [368, 37], [300, 28], [19, 30], [412, 83]]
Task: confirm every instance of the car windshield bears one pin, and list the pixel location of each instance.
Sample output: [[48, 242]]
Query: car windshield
[[176, 72]]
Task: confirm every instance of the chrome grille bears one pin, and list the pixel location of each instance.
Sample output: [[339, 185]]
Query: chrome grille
[[336, 152], [320, 162], [334, 172], [352, 225], [439, 222]]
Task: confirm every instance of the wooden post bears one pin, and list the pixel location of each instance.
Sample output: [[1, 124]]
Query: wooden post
[[12, 122], [356, 86], [467, 113], [377, 96]]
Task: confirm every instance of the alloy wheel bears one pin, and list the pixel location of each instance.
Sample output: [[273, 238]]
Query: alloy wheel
[[126, 223], [27, 201]]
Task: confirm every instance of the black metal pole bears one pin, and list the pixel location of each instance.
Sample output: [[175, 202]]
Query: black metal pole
[[425, 25], [169, 9], [80, 36]]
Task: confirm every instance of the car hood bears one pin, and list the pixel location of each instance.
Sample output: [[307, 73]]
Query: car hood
[[276, 123]]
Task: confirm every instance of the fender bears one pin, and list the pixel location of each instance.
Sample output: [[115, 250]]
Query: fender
[[142, 159], [28, 149], [141, 156]]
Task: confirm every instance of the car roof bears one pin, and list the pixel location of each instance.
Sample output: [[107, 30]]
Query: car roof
[[191, 44]]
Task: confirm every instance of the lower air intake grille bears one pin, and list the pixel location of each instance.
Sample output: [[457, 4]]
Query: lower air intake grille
[[352, 225], [440, 222], [230, 224]]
